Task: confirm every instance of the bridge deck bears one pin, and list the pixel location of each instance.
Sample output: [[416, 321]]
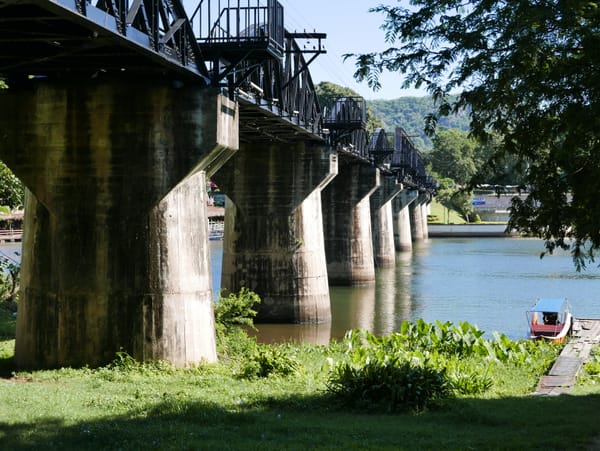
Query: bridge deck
[[563, 375]]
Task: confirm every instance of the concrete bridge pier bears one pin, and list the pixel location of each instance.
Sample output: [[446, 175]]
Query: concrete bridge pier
[[273, 241], [115, 250], [383, 224], [424, 212], [402, 228], [347, 223], [418, 220]]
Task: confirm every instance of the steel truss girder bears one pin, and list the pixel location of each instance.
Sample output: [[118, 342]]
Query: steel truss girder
[[152, 33]]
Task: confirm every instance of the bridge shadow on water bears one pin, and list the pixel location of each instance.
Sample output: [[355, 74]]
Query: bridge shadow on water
[[297, 422]]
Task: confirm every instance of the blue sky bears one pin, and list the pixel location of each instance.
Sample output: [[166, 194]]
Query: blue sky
[[350, 28]]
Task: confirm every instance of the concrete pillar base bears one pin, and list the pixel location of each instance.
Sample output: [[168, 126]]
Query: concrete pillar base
[[273, 242], [115, 250], [347, 222], [402, 227]]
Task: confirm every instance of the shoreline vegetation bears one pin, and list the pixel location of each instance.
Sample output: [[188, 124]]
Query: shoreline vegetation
[[430, 386]]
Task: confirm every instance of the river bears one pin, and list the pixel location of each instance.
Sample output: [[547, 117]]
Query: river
[[489, 282]]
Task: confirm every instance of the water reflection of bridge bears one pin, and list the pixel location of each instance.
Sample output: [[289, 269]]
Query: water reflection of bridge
[[116, 113]]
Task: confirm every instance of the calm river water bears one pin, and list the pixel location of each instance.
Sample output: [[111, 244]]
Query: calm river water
[[489, 282]]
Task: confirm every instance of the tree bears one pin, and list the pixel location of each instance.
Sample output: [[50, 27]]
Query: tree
[[528, 71], [453, 155], [454, 198], [11, 188]]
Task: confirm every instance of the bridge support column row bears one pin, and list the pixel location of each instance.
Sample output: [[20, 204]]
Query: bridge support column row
[[383, 222], [416, 221], [113, 258], [418, 218], [402, 227], [273, 240]]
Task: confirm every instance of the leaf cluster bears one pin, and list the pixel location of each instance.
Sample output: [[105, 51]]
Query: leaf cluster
[[236, 309], [426, 363], [528, 72], [232, 314], [271, 360]]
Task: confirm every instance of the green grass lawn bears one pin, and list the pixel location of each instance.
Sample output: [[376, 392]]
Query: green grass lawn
[[443, 215], [131, 406]]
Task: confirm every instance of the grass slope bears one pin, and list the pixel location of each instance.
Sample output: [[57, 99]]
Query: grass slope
[[133, 406]]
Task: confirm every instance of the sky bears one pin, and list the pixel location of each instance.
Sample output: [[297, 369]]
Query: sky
[[350, 28]]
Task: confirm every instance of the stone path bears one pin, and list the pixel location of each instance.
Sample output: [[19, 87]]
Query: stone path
[[563, 375]]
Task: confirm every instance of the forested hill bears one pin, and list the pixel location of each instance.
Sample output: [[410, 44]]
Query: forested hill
[[409, 113]]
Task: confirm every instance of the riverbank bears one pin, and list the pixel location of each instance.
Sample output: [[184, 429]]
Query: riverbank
[[469, 230], [130, 406]]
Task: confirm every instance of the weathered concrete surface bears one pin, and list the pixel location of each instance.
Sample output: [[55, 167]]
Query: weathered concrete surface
[[400, 210], [418, 218], [383, 221], [424, 212], [273, 241], [347, 223], [115, 253]]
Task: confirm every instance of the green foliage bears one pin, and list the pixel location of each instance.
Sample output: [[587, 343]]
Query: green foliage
[[453, 155], [527, 74], [236, 310], [10, 271], [133, 405], [410, 114], [12, 190], [389, 383], [455, 198], [231, 314], [266, 360], [7, 322], [592, 367], [424, 363], [255, 360], [125, 367]]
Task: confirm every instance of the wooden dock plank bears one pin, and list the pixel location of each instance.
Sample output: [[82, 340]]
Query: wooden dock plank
[[562, 376]]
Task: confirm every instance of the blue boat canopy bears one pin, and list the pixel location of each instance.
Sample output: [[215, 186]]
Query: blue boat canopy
[[550, 305]]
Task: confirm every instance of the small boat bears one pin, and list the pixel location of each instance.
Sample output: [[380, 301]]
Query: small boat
[[550, 318]]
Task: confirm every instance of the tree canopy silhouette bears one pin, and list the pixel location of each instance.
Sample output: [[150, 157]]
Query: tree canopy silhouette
[[528, 71]]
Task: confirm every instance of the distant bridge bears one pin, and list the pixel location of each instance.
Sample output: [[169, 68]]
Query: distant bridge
[[117, 112]]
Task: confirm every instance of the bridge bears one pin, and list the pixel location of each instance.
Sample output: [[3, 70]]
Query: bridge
[[116, 114]]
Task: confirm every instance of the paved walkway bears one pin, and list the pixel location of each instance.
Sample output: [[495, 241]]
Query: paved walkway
[[563, 375]]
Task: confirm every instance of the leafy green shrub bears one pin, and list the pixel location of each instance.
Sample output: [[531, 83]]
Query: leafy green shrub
[[391, 383], [236, 310], [231, 313], [125, 367], [269, 360], [465, 379], [425, 362], [592, 367]]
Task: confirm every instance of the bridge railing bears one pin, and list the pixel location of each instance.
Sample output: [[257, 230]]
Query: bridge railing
[[408, 162], [160, 25], [345, 122], [227, 22], [381, 146]]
